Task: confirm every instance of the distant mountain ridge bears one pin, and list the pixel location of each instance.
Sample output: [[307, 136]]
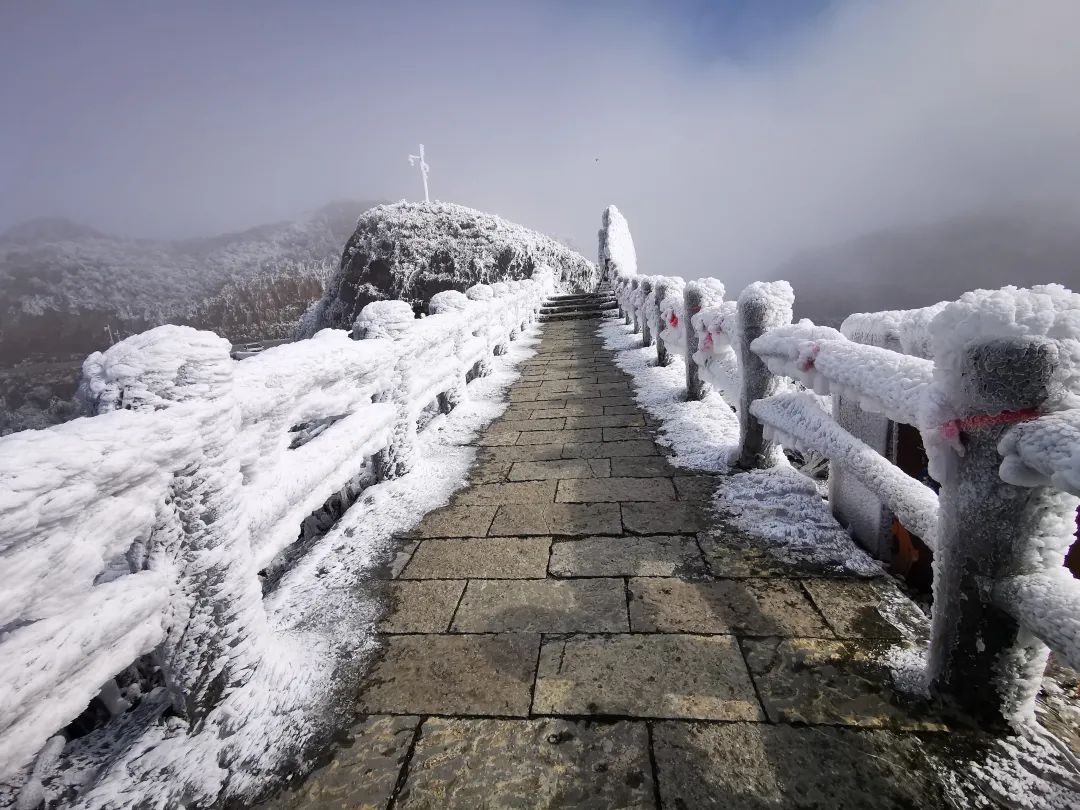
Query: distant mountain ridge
[[62, 283], [916, 267]]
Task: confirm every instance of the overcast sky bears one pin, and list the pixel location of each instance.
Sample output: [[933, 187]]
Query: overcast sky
[[731, 134]]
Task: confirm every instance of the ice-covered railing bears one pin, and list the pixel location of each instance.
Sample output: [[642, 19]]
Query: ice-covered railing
[[143, 529], [992, 382]]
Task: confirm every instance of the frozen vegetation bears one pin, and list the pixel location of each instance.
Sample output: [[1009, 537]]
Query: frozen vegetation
[[411, 251]]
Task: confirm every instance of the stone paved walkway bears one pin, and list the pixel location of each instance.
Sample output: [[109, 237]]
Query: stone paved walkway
[[570, 632]]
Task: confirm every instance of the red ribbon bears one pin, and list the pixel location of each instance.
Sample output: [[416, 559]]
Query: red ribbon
[[808, 361], [674, 320], [707, 343], [951, 430]]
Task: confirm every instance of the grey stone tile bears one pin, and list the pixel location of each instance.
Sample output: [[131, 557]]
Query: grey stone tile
[[622, 409], [524, 425], [663, 518], [421, 606], [456, 521], [609, 449], [545, 763], [362, 773], [523, 394], [729, 560], [752, 766], [452, 674], [510, 492], [656, 556], [742, 606], [611, 490], [663, 676], [626, 434], [543, 606], [868, 609], [560, 468], [557, 519], [522, 452], [809, 680], [586, 407], [622, 401], [486, 557], [496, 438], [642, 466], [695, 487], [559, 436], [609, 421], [489, 472]]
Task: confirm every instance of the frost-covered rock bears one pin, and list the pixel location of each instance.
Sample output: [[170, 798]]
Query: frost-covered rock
[[617, 254], [412, 251]]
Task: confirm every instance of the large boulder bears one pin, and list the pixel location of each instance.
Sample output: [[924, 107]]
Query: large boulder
[[411, 251]]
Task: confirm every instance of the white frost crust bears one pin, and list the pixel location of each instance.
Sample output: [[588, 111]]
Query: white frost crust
[[1044, 452], [50, 667], [903, 330], [1048, 605], [383, 319], [881, 381], [717, 329], [77, 500], [617, 245], [795, 420]]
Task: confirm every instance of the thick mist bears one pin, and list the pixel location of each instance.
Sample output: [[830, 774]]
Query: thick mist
[[731, 147]]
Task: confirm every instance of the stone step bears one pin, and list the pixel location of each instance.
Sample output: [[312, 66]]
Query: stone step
[[579, 297], [550, 307], [574, 316]]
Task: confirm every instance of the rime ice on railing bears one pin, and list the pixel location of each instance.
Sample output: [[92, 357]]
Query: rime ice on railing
[[144, 528], [992, 382]]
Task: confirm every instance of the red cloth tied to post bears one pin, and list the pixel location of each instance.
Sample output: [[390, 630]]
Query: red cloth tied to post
[[707, 343], [674, 321], [807, 362], [952, 429]]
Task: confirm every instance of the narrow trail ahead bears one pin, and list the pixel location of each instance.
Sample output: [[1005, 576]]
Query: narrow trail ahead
[[570, 632]]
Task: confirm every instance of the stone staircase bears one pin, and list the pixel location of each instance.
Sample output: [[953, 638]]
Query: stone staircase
[[578, 306]]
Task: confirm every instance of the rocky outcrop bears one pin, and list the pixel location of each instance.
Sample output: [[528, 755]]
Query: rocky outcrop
[[411, 251]]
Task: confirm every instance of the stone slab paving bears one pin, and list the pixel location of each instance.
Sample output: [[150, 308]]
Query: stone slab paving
[[573, 631]]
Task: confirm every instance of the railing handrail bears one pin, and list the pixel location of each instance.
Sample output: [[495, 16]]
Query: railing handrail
[[1001, 425], [196, 461]]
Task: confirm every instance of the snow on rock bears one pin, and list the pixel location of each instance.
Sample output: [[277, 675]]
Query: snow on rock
[[617, 254], [411, 251]]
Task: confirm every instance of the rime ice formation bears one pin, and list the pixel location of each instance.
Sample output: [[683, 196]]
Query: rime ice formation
[[142, 530], [412, 251]]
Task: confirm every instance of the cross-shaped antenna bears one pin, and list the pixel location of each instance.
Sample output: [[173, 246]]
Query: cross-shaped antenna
[[423, 170]]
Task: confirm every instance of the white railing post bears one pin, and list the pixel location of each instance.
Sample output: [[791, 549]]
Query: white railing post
[[201, 533], [980, 659], [635, 310], [662, 358], [646, 288], [762, 306], [692, 303]]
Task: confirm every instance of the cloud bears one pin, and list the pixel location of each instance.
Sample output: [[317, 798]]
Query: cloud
[[868, 116]]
